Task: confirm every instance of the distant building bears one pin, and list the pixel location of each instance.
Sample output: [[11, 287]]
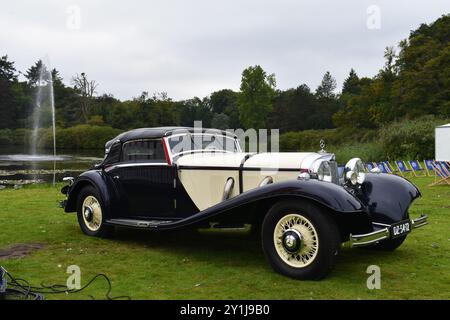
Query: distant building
[[442, 142]]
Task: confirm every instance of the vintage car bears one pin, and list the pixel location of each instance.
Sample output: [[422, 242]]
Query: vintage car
[[302, 203]]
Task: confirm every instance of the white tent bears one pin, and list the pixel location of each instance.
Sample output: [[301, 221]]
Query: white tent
[[442, 142]]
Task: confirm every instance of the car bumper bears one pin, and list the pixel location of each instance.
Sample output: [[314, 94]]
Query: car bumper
[[367, 239]]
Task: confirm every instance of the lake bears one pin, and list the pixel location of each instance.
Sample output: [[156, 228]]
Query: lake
[[18, 167]]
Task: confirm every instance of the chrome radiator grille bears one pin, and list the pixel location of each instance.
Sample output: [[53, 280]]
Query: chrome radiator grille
[[334, 172]]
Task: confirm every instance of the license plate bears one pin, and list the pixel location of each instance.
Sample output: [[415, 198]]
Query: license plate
[[400, 228]]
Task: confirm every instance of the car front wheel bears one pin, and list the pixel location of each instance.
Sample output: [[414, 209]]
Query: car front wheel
[[90, 213], [300, 240]]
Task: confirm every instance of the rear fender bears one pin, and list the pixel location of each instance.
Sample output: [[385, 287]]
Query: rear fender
[[93, 178]]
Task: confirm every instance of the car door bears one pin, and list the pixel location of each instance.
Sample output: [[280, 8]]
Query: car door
[[144, 180]]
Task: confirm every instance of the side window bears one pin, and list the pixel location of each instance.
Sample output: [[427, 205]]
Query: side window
[[143, 151]]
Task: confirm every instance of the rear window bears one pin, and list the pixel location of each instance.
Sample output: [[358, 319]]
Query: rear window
[[143, 151]]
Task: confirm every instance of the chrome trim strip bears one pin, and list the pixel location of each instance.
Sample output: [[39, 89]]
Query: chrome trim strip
[[136, 164], [358, 240], [381, 224], [142, 164], [226, 136], [202, 151], [419, 222]]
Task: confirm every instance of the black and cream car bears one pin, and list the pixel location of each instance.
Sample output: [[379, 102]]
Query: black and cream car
[[302, 203]]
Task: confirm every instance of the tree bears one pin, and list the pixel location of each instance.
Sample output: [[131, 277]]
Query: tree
[[327, 103], [389, 68], [195, 109], [255, 98], [11, 95], [226, 102], [351, 84], [220, 121], [85, 90], [7, 70], [297, 109], [422, 84], [38, 73], [104, 107], [326, 88]]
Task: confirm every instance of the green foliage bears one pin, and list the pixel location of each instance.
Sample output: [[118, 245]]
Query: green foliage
[[368, 151], [6, 137], [296, 109], [351, 84], [11, 95], [220, 121], [345, 143], [309, 140], [414, 83], [82, 137], [195, 109], [96, 120], [255, 99], [226, 101], [413, 139], [326, 88], [33, 74], [7, 70]]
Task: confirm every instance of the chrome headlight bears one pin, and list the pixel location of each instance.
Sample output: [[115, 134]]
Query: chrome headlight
[[354, 171], [324, 172]]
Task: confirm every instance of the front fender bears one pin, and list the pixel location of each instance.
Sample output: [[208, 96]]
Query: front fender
[[94, 178], [387, 197], [329, 195]]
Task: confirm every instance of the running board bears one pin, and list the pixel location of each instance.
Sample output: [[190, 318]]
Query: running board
[[143, 224]]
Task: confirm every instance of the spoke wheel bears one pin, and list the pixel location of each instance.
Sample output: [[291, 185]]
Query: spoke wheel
[[300, 239], [296, 240]]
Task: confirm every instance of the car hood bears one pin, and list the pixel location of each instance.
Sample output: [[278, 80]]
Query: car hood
[[267, 160]]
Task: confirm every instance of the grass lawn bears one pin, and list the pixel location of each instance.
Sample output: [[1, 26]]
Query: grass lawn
[[214, 265]]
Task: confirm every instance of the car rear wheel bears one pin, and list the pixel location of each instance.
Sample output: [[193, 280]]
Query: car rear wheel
[[90, 213], [300, 240]]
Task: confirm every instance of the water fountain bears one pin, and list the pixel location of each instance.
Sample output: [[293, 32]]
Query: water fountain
[[44, 100], [38, 165], [43, 116]]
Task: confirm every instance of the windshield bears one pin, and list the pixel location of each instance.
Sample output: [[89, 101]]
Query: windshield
[[187, 143]]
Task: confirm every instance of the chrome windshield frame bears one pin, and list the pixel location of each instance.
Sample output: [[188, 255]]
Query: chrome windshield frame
[[223, 136]]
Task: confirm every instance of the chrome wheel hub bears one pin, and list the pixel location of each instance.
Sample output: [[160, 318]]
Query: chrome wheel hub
[[296, 240], [292, 240], [88, 213]]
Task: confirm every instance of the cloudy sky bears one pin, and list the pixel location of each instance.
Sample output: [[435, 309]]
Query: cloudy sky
[[194, 47]]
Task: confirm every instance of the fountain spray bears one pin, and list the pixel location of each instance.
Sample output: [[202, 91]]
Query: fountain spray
[[44, 98]]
